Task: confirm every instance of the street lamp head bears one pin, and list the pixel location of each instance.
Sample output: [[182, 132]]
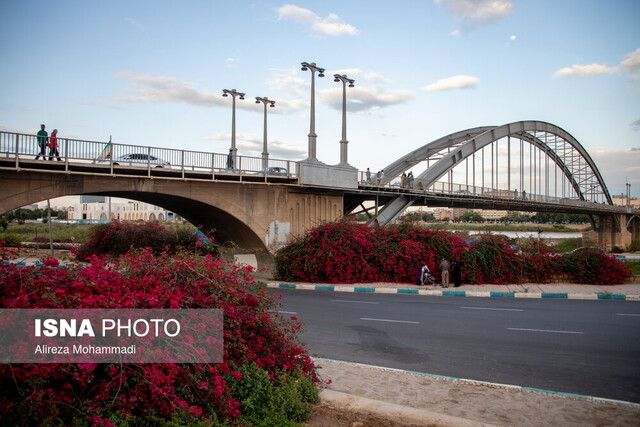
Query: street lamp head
[[321, 74]]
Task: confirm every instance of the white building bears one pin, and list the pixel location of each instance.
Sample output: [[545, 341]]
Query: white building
[[121, 209]]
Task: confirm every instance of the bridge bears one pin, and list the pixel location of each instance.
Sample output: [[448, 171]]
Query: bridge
[[260, 203]]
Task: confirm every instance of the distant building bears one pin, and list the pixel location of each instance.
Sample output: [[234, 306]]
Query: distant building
[[92, 199], [622, 200], [121, 209]]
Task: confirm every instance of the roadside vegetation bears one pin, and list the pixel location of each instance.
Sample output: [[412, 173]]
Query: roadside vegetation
[[266, 378], [349, 252]]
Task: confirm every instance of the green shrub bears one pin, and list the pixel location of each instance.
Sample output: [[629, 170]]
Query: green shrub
[[11, 239], [634, 246], [117, 238]]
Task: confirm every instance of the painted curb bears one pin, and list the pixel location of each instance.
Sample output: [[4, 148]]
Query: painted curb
[[445, 293]]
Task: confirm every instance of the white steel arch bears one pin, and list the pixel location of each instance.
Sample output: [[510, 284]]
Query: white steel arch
[[559, 145]]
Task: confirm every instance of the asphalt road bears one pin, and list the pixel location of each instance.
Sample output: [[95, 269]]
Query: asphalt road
[[572, 346]]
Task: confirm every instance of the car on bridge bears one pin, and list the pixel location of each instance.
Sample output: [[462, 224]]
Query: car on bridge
[[274, 170], [139, 159]]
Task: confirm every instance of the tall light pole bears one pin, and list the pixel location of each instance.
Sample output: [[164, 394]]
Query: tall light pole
[[312, 131], [265, 154], [233, 93], [343, 142]]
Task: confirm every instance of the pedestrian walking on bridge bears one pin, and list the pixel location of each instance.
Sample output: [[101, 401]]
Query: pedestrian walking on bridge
[[43, 140]]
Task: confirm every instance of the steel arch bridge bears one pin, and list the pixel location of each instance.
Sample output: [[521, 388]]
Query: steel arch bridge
[[545, 159]]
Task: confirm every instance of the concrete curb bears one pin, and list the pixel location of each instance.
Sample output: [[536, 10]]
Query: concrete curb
[[453, 293], [392, 411]]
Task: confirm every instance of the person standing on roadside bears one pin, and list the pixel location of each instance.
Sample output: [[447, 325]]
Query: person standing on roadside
[[456, 273], [444, 269], [43, 139], [53, 145]]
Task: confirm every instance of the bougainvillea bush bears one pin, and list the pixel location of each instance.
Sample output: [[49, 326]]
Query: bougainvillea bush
[[348, 252], [116, 238], [266, 377]]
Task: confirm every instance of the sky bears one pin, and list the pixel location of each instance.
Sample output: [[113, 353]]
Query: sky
[[151, 73]]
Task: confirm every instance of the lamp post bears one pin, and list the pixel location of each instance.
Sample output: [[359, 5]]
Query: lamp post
[[343, 142], [265, 154], [233, 93], [312, 131]]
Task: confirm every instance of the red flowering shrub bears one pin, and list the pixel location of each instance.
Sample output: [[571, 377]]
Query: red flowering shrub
[[337, 252], [265, 368], [347, 252], [116, 238], [398, 247], [540, 263], [591, 265], [491, 260]]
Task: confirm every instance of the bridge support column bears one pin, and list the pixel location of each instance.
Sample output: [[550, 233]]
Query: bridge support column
[[617, 230]]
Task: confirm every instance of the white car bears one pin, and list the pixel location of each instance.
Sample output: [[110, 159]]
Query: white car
[[273, 170], [139, 159]]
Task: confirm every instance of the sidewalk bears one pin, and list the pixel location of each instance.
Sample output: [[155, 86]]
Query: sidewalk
[[376, 396]]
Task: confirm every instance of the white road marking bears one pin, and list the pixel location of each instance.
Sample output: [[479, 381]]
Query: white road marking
[[545, 330], [354, 301], [388, 320], [491, 308], [628, 314], [286, 312]]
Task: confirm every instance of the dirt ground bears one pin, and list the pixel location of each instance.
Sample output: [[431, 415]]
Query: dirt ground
[[328, 416]]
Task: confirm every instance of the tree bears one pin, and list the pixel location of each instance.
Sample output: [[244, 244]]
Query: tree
[[471, 216], [515, 217]]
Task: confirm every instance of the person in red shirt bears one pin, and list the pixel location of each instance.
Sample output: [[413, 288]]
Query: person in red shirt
[[53, 145]]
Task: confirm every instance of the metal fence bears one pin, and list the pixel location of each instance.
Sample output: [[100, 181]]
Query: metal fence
[[24, 147], [454, 189]]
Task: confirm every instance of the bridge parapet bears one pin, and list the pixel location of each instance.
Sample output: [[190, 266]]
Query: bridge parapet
[[24, 148], [319, 174]]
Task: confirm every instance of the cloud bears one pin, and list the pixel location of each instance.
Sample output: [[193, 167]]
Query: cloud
[[583, 70], [631, 64], [364, 98], [134, 23], [249, 144], [231, 62], [329, 26], [618, 166], [636, 125], [455, 82], [368, 93], [151, 88], [160, 89], [476, 12]]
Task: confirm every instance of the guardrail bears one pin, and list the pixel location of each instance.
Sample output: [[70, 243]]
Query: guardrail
[[454, 189], [24, 147]]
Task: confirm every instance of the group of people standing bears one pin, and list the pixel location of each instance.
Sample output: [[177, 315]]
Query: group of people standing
[[407, 180], [448, 272], [45, 141], [378, 178]]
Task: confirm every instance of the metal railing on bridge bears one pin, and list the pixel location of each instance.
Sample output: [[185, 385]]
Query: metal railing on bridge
[[24, 149], [466, 190]]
